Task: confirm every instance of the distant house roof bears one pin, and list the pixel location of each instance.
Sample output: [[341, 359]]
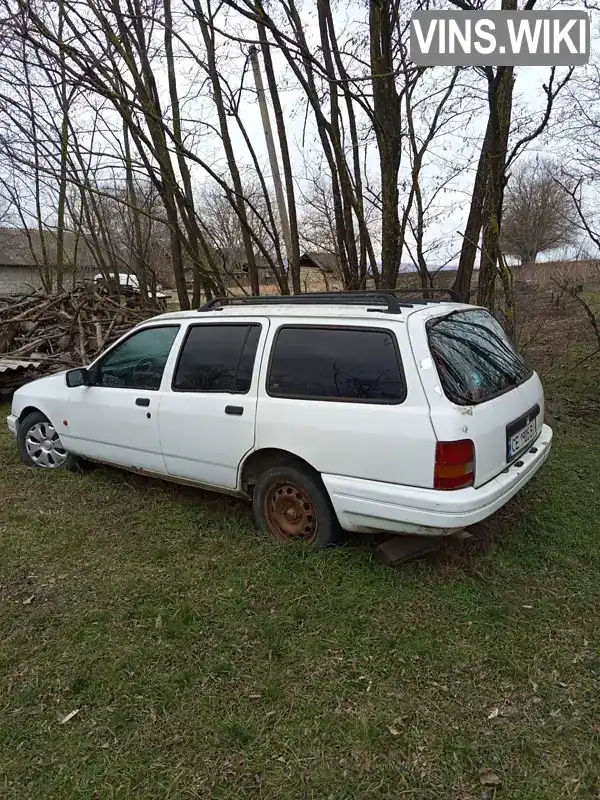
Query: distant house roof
[[237, 258], [20, 247], [315, 259], [233, 262]]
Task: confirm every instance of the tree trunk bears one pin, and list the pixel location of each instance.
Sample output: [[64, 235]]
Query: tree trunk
[[470, 243], [365, 243], [190, 218], [335, 158], [134, 216], [294, 256], [500, 91], [240, 205], [64, 146], [148, 98], [44, 266], [386, 107], [500, 102], [345, 186]]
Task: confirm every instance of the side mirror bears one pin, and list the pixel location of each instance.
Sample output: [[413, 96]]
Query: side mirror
[[78, 377]]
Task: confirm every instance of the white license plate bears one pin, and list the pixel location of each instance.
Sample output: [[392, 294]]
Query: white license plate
[[519, 440]]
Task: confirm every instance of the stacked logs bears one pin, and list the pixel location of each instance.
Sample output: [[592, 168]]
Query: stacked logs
[[63, 330]]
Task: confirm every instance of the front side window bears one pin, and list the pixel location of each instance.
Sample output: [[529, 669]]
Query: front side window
[[139, 361], [358, 365], [217, 358], [474, 357]]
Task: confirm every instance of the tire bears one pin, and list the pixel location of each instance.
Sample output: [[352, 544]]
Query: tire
[[291, 504], [37, 429]]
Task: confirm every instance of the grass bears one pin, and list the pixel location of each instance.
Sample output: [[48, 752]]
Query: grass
[[205, 661]]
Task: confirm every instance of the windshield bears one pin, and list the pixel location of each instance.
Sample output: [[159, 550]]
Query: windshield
[[474, 357]]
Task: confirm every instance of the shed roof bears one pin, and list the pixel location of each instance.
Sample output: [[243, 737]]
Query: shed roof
[[24, 247]]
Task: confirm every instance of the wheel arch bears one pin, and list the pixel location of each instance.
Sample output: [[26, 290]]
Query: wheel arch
[[30, 410], [260, 460]]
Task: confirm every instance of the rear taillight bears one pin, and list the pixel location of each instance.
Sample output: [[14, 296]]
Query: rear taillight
[[454, 464]]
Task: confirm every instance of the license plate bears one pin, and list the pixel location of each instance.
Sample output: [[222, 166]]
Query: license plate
[[521, 433]]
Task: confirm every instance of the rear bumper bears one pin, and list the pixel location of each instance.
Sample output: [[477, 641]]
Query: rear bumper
[[13, 424], [370, 506]]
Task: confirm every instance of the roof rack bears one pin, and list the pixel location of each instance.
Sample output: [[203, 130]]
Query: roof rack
[[388, 298], [393, 305]]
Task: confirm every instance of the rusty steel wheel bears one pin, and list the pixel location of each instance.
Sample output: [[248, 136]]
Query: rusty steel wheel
[[290, 513], [292, 505]]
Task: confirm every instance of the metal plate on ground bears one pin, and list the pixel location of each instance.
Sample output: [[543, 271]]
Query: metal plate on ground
[[400, 549]]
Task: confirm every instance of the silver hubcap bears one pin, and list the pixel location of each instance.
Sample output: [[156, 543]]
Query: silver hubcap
[[44, 446]]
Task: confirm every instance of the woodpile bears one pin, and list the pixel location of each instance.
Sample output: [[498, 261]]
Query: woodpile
[[63, 330]]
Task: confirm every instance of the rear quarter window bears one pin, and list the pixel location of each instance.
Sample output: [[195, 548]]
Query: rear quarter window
[[475, 359], [358, 365]]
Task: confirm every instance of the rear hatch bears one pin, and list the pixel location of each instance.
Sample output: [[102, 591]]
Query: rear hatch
[[478, 386]]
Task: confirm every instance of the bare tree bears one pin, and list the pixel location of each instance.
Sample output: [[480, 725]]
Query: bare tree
[[317, 221], [495, 160], [224, 234], [171, 129], [538, 214]]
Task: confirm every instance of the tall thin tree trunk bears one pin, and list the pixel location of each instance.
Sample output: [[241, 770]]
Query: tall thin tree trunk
[[134, 216], [192, 227], [500, 91], [468, 252], [336, 129], [335, 158], [387, 130], [149, 100], [213, 73], [365, 244], [500, 101], [45, 272], [294, 256], [64, 148]]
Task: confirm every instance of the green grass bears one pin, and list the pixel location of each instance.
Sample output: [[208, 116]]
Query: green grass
[[208, 662]]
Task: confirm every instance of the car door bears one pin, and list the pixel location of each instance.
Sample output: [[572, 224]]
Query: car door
[[207, 420], [115, 420]]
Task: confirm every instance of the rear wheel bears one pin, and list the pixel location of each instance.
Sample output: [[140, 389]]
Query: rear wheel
[[291, 505], [40, 445]]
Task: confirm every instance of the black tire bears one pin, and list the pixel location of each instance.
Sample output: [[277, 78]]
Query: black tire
[[29, 423], [290, 504]]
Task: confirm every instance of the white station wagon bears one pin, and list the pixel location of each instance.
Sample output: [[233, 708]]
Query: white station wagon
[[354, 410]]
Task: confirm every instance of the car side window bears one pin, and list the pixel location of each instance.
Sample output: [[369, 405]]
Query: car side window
[[217, 358], [360, 365], [139, 361]]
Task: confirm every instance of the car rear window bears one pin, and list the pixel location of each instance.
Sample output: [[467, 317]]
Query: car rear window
[[359, 365], [474, 357]]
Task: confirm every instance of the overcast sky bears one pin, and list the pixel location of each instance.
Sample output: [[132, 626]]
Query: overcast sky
[[458, 148], [461, 146]]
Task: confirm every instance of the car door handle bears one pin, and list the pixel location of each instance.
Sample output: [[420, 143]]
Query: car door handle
[[142, 401], [237, 411]]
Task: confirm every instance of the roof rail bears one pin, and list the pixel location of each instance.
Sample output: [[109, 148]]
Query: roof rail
[[393, 305]]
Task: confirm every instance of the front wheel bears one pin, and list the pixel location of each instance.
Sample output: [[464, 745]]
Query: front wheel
[[40, 445], [292, 505]]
